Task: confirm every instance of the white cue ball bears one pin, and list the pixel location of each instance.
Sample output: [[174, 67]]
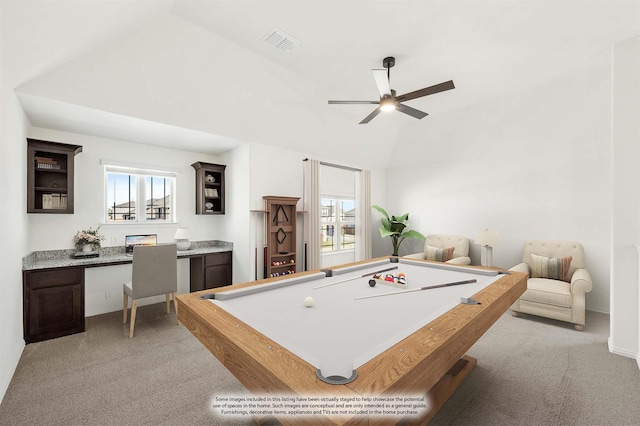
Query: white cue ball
[[308, 301]]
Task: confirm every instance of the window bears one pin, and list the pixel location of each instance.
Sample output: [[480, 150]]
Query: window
[[139, 195], [338, 224]]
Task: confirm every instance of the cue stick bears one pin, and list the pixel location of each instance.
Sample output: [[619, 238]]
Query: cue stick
[[419, 289], [355, 278]]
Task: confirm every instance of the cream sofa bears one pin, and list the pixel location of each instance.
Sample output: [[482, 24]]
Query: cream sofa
[[442, 241], [552, 298]]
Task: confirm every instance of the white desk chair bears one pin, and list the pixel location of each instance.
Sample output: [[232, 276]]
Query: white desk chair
[[155, 272]]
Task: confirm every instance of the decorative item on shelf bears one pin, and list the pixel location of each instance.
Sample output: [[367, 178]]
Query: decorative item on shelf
[[211, 193], [47, 163], [87, 240], [208, 207], [394, 227], [182, 237], [487, 238], [210, 178]]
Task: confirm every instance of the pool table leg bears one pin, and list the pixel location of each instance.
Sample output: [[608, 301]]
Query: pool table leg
[[445, 387]]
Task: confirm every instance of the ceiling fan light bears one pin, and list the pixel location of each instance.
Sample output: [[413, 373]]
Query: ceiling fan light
[[387, 104]]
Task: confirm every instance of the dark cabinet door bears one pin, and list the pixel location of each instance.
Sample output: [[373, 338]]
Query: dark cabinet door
[[53, 303], [211, 271], [217, 276]]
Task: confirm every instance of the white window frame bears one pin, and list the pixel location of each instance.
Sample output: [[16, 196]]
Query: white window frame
[[141, 172], [337, 223]]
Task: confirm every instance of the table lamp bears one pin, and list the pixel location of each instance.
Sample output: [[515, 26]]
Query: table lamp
[[182, 237], [487, 238]]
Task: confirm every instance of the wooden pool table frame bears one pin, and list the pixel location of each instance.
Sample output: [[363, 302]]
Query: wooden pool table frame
[[431, 360]]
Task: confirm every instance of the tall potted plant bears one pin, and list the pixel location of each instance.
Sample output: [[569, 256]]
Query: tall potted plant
[[394, 227]]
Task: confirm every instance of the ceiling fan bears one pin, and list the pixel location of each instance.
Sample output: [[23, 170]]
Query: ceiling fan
[[388, 99]]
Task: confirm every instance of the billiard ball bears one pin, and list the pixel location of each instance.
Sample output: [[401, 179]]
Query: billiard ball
[[372, 283], [308, 301]]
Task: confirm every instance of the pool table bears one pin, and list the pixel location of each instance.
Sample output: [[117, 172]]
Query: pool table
[[360, 336]]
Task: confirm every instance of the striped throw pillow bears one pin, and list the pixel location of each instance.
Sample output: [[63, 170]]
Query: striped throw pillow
[[553, 268], [439, 254]]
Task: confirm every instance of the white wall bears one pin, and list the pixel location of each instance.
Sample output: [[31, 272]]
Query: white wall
[[625, 230], [55, 231], [535, 165], [277, 172], [380, 247], [14, 229], [233, 225]]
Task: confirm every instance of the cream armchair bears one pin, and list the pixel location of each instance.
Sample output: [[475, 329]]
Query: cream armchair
[[546, 294], [436, 245]]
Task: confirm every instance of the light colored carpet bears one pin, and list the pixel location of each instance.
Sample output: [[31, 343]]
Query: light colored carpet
[[163, 375], [536, 371], [531, 371]]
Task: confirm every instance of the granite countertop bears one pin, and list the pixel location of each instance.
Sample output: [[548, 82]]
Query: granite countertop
[[110, 255]]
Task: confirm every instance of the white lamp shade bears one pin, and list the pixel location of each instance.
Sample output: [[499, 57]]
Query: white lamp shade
[[487, 237], [182, 234]]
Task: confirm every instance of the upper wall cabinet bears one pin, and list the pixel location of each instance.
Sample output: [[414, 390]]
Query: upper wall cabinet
[[210, 192], [50, 176]]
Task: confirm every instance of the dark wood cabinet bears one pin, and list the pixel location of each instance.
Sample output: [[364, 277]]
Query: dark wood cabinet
[[280, 222], [211, 271], [54, 298], [53, 303], [210, 188], [50, 169]]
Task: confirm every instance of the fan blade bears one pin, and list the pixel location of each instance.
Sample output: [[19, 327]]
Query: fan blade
[[382, 82], [447, 85], [352, 102], [370, 117], [411, 111]]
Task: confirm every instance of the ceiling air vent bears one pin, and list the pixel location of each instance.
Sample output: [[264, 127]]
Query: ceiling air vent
[[281, 40]]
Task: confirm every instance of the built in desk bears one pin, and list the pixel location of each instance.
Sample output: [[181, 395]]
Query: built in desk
[[53, 283]]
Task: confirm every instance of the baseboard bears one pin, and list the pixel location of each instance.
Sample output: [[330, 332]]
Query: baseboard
[[600, 310], [623, 352], [11, 369]]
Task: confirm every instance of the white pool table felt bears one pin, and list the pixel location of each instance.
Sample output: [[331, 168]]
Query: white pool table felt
[[339, 333]]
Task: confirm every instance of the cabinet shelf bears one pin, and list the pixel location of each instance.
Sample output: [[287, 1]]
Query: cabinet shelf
[[43, 170], [293, 253], [51, 189], [286, 265]]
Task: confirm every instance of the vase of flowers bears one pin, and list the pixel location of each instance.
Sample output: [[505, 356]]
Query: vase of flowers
[[88, 240]]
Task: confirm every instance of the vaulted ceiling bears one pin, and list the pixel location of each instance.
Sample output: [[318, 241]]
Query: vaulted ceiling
[[197, 75]]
